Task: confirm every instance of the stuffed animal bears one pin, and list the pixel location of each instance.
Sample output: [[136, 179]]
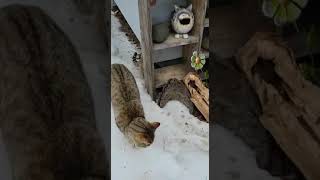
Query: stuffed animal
[[182, 21]]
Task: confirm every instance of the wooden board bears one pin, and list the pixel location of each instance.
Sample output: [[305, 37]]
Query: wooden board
[[162, 75], [174, 42], [146, 45], [167, 54]]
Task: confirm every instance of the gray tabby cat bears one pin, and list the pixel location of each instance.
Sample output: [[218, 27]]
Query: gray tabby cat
[[128, 109], [46, 112]]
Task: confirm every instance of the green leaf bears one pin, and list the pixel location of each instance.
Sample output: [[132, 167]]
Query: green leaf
[[293, 12], [202, 56], [203, 61], [313, 37], [269, 7], [198, 66], [281, 16], [193, 65], [283, 11], [206, 74], [193, 58], [301, 3], [195, 53]]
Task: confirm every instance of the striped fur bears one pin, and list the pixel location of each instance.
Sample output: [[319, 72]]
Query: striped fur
[[47, 116], [128, 109]]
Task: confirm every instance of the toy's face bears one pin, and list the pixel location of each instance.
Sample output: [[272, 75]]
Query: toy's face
[[182, 20]]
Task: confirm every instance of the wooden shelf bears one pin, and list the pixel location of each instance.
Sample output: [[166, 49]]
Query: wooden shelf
[[162, 75], [174, 42], [206, 22]]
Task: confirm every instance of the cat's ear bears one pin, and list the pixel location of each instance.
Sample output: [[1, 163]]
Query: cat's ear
[[176, 8], [189, 7], [155, 125]]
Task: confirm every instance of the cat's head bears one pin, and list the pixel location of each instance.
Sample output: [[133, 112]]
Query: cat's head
[[142, 132]]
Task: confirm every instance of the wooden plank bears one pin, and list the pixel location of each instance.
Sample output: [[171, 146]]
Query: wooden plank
[[174, 42], [199, 11], [167, 54], [162, 75], [146, 45]]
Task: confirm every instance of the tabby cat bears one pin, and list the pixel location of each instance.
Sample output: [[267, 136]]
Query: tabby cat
[[127, 108], [47, 116]]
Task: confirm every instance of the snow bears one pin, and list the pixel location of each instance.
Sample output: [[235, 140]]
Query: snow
[[181, 146]]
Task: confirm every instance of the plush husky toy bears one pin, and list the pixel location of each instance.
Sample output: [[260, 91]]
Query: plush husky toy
[[182, 21]]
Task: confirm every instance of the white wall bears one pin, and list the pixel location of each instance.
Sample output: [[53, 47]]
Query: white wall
[[130, 10]]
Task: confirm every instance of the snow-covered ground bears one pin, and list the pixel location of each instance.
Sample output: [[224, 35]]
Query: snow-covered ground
[[181, 146]]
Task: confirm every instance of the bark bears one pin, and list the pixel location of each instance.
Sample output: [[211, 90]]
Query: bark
[[290, 104], [199, 93]]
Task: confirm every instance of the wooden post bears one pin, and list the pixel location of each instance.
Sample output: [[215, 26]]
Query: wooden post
[[146, 45]]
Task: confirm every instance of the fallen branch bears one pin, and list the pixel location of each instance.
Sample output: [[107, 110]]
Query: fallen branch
[[199, 93]]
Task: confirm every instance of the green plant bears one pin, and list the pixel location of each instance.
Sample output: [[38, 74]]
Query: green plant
[[313, 37], [311, 73], [198, 60], [283, 11]]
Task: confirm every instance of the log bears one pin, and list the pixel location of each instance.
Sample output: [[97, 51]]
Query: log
[[199, 93], [290, 104], [176, 90]]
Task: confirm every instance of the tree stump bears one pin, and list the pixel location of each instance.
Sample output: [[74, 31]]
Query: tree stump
[[175, 90]]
